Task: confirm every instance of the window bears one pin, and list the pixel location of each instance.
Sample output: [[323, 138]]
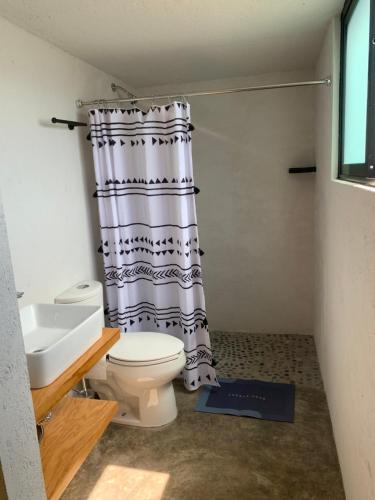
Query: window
[[357, 92]]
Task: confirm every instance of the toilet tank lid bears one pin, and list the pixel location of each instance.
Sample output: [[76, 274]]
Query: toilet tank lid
[[80, 291], [145, 346]]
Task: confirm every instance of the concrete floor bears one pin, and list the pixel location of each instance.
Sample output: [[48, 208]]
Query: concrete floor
[[220, 457]]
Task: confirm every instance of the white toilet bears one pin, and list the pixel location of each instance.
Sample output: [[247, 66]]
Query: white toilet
[[138, 370]]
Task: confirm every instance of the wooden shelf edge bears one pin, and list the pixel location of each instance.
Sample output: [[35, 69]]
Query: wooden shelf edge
[[46, 397], [74, 429]]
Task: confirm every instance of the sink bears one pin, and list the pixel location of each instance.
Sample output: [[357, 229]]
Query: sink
[[55, 335]]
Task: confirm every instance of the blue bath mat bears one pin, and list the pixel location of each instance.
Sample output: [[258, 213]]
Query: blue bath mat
[[249, 398]]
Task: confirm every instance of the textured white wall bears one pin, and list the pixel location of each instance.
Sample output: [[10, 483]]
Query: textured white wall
[[46, 171], [19, 449], [255, 220], [345, 293]]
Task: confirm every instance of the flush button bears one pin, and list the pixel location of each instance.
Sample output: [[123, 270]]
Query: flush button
[[81, 287]]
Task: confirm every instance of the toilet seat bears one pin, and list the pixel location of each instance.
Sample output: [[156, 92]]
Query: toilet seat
[[116, 361], [145, 349]]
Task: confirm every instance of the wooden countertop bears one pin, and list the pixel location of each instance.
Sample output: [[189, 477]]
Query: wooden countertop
[[46, 397], [76, 424]]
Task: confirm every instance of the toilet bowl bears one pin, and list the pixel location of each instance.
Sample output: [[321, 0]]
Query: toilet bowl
[[140, 368]]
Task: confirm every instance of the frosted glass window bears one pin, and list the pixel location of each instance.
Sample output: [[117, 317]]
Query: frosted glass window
[[356, 84]]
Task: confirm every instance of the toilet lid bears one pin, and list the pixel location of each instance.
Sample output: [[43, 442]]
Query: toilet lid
[[145, 346]]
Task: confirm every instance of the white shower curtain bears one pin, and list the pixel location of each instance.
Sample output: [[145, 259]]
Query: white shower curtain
[[150, 245]]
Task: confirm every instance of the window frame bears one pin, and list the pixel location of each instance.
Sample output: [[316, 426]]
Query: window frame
[[363, 173]]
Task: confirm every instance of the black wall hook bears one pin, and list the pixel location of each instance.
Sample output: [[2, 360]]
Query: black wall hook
[[71, 124]]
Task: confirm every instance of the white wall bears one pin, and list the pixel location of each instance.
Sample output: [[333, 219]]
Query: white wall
[[19, 448], [345, 293], [46, 173], [255, 220]]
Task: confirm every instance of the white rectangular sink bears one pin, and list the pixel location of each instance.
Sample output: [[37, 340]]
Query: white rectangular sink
[[55, 335]]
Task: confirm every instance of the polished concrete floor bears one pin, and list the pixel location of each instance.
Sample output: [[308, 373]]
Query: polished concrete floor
[[220, 457]]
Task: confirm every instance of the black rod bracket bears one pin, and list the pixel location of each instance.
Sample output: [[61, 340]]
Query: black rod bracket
[[301, 170], [71, 124]]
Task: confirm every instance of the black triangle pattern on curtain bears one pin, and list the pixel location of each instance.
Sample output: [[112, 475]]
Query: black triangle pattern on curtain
[[149, 236], [141, 142]]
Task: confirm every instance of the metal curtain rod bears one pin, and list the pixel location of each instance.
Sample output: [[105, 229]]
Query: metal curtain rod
[[100, 102]]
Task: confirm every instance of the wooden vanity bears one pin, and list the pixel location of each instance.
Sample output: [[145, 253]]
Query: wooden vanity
[[76, 423]]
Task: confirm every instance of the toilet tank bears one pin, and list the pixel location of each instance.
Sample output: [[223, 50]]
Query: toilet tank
[[83, 293]]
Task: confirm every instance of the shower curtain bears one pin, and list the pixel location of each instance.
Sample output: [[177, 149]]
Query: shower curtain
[[149, 233]]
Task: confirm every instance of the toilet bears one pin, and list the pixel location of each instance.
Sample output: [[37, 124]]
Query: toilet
[[140, 368], [137, 371]]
